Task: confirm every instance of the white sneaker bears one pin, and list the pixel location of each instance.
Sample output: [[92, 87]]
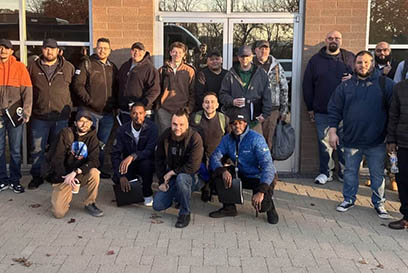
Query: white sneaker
[[148, 201], [323, 179], [382, 212]]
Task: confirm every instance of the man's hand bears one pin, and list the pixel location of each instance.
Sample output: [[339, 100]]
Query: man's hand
[[124, 165], [345, 78], [333, 138], [311, 116], [227, 178], [24, 118], [257, 200], [391, 147], [387, 68], [283, 117], [239, 102], [168, 175], [124, 184], [70, 179], [260, 118]]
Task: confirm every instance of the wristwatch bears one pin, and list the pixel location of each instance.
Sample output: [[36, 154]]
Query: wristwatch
[[77, 171]]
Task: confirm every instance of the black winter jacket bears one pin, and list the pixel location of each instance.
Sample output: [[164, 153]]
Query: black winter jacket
[[142, 83], [398, 116], [96, 86], [191, 153], [125, 144], [51, 98], [68, 143]]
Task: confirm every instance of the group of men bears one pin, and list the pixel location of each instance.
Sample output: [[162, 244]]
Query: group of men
[[168, 124], [359, 110]]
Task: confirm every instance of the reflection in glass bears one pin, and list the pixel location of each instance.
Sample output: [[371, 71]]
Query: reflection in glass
[[62, 20], [9, 24], [388, 21], [193, 5], [193, 35], [265, 6]]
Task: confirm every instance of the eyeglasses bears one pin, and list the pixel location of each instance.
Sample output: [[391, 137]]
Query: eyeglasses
[[379, 50], [334, 38]]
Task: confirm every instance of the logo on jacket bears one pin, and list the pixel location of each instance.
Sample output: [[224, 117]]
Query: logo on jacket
[[79, 150]]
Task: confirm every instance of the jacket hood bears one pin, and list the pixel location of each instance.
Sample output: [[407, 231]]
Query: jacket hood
[[91, 133]]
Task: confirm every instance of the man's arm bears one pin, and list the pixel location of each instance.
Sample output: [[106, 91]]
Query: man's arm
[[201, 88], [284, 91], [93, 156], [160, 159], [394, 115], [152, 88], [79, 83], [217, 155], [398, 72], [191, 96], [26, 92], [308, 87], [148, 150], [225, 94], [266, 96], [264, 158]]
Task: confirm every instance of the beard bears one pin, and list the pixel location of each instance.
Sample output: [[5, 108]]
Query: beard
[[366, 74], [333, 47], [383, 61], [50, 58]]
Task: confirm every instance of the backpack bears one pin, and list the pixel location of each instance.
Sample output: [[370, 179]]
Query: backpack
[[284, 140], [221, 118]]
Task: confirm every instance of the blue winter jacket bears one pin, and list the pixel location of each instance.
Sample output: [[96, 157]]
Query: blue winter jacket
[[254, 157], [361, 104], [322, 75], [125, 144]]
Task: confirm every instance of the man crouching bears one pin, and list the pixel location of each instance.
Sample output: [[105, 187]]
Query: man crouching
[[73, 161]]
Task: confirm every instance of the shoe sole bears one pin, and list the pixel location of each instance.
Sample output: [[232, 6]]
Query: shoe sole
[[384, 216], [18, 192], [344, 209], [5, 188]]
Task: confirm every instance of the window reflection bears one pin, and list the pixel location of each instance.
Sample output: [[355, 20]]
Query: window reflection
[[62, 20], [193, 5], [9, 23], [265, 6]]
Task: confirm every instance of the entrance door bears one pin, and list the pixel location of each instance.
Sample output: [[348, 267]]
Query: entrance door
[[226, 35]]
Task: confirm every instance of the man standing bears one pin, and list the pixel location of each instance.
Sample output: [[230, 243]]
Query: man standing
[[73, 161], [178, 157], [324, 72], [384, 61], [362, 103], [279, 88], [210, 78], [402, 71], [177, 86], [51, 76], [96, 86], [16, 97], [253, 161], [397, 141], [139, 81], [133, 152], [246, 86]]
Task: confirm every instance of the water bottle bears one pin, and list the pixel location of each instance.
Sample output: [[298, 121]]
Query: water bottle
[[394, 163]]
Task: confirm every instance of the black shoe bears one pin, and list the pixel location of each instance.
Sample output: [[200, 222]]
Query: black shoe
[[3, 186], [227, 211], [105, 175], [93, 210], [35, 183], [272, 216], [400, 224], [182, 221], [17, 188]]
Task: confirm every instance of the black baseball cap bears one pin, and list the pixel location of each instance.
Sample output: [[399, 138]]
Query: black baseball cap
[[238, 114], [6, 43], [138, 45], [262, 43], [214, 53], [51, 43], [83, 114]]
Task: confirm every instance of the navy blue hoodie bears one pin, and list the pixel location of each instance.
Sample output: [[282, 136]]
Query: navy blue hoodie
[[359, 103], [322, 75]]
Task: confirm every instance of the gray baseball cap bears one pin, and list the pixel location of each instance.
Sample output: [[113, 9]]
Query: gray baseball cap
[[244, 50]]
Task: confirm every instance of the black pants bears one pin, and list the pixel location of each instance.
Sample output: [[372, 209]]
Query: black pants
[[145, 169], [402, 180]]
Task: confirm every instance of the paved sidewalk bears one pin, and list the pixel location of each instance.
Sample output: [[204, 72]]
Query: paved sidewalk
[[310, 236]]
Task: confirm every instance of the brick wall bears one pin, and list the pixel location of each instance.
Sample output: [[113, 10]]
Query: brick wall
[[321, 16], [123, 22]]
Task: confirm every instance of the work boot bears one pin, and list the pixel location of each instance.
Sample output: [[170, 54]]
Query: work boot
[[182, 220], [400, 224], [272, 216], [225, 211]]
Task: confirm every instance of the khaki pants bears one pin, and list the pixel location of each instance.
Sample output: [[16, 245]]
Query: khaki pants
[[62, 193], [268, 127]]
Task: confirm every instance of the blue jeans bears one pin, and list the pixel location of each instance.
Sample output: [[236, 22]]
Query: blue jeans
[[103, 124], [15, 137], [327, 163], [180, 189], [375, 159], [42, 133]]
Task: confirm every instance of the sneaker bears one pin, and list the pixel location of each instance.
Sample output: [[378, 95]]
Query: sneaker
[[93, 210], [148, 201], [344, 206], [323, 179], [272, 216], [35, 183], [17, 188], [228, 211], [382, 212], [182, 221], [3, 186]]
